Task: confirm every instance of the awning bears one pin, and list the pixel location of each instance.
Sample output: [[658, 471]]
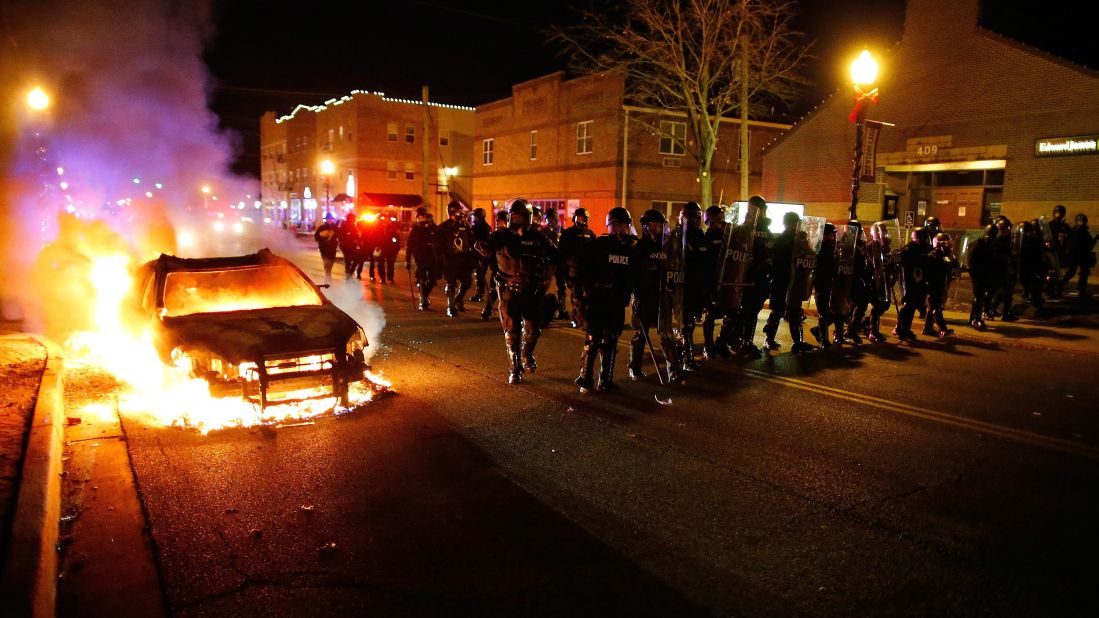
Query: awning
[[342, 198], [379, 200]]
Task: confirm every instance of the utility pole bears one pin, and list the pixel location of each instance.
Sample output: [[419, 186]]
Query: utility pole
[[425, 187]]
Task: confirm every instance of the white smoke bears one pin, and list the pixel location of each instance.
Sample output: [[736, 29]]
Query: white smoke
[[369, 315]]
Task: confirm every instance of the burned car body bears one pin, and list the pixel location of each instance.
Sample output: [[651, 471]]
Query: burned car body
[[253, 326]]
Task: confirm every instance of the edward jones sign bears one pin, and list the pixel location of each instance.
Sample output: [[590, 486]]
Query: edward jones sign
[[1060, 146]]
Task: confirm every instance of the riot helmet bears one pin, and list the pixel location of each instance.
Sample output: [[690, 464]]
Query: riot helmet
[[454, 209], [618, 215], [790, 220], [1003, 224], [919, 235], [536, 216], [478, 214], [1059, 212], [653, 222], [1081, 219], [933, 225], [715, 215], [829, 230], [580, 213], [691, 214], [990, 231], [758, 202], [520, 212]]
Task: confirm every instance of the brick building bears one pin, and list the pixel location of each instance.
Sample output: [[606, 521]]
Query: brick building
[[565, 144], [982, 127], [377, 146]]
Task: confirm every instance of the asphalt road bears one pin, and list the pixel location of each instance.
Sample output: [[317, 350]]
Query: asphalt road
[[943, 478]]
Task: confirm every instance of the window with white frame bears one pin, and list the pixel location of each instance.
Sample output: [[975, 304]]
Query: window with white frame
[[410, 134], [673, 137], [391, 131], [533, 145], [391, 170], [488, 147], [409, 171], [583, 137]]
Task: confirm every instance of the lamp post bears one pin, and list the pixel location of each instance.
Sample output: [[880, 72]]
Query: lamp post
[[327, 169], [864, 71], [205, 197], [37, 99]]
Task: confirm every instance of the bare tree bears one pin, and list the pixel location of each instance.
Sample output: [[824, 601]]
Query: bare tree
[[707, 59]]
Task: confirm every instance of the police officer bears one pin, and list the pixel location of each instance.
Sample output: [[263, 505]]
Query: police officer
[[606, 279], [699, 284], [758, 280], [349, 245], [715, 238], [421, 248], [1059, 232], [454, 243], [652, 260], [327, 243], [862, 282], [782, 260], [481, 230], [938, 273], [1006, 274], [521, 253], [914, 261], [500, 222], [388, 239], [1080, 256], [574, 242], [823, 275], [1032, 264], [982, 273]]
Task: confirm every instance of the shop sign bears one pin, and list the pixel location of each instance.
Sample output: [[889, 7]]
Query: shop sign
[[1061, 146]]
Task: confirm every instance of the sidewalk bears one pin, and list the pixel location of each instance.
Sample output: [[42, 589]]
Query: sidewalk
[[30, 468]]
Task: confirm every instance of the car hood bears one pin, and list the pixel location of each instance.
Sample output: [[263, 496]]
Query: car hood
[[240, 336]]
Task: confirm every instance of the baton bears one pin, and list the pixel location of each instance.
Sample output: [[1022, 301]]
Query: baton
[[411, 288], [652, 354]]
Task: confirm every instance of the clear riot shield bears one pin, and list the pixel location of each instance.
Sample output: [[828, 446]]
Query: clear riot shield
[[886, 242], [1049, 246], [735, 258], [840, 301], [1017, 238], [807, 241], [669, 317]]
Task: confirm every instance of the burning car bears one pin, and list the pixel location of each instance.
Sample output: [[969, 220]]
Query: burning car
[[253, 326]]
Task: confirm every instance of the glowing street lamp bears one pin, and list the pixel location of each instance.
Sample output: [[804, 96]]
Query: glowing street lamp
[[327, 169], [37, 99], [864, 72]]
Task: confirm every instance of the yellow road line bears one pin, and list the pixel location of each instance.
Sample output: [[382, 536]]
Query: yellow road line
[[1018, 435]]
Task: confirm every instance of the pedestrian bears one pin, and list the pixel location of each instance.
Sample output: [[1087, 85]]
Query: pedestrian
[[574, 242], [421, 249], [652, 268], [521, 254], [348, 235], [454, 244], [1080, 253], [606, 279], [328, 242]]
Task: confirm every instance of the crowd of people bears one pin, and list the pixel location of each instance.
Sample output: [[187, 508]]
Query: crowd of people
[[372, 242], [718, 265]]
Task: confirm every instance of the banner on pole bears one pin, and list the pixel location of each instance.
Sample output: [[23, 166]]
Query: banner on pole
[[868, 165]]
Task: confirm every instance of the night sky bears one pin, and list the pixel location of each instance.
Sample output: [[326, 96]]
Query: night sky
[[273, 56]]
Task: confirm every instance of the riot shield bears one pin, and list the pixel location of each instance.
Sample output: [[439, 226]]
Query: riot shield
[[887, 239], [735, 258], [1049, 247], [840, 302], [1017, 238], [669, 317], [807, 241]]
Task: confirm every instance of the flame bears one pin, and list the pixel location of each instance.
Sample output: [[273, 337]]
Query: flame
[[168, 395]]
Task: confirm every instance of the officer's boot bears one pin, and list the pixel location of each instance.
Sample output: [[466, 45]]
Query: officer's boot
[[608, 352], [689, 363], [428, 286], [512, 343], [820, 331], [673, 360], [460, 300], [479, 293], [841, 336], [854, 329], [929, 323], [876, 335], [422, 295], [709, 350], [637, 356], [587, 364], [486, 313], [770, 329], [747, 339], [451, 293], [529, 364], [727, 338], [798, 337]]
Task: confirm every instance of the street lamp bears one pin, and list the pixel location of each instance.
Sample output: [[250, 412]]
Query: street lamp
[[327, 168], [205, 196], [37, 99], [864, 71]]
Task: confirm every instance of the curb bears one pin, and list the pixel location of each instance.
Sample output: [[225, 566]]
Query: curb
[[29, 581]]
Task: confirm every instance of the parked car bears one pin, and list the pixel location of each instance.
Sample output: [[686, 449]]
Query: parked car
[[253, 326]]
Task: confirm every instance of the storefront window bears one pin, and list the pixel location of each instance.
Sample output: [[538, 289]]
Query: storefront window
[[994, 178]]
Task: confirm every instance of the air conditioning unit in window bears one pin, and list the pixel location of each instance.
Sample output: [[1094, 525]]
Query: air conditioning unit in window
[[672, 162]]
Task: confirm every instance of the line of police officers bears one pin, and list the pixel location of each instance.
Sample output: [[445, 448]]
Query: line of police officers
[[675, 276]]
